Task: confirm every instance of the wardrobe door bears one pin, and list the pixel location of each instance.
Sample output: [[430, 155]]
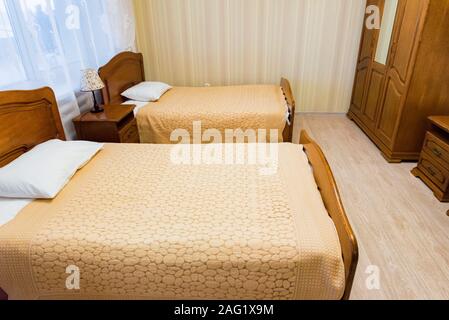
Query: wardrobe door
[[378, 70], [400, 69], [363, 66]]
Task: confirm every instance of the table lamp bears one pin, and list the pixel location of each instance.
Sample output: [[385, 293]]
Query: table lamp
[[91, 82]]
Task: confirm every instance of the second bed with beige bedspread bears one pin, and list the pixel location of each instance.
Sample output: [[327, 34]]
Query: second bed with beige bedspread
[[235, 107]]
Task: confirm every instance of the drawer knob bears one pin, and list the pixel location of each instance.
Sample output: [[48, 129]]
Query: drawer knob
[[433, 173], [437, 152]]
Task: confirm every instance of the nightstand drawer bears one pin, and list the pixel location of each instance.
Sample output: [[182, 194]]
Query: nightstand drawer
[[130, 133], [437, 148], [434, 171]]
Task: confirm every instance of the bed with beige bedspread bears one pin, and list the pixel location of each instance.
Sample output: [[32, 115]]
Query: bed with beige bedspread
[[221, 108], [166, 231]]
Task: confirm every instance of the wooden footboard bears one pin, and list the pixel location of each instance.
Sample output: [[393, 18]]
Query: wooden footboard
[[288, 93], [331, 198]]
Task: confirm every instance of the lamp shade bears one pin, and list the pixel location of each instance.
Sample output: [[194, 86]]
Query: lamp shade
[[91, 81]]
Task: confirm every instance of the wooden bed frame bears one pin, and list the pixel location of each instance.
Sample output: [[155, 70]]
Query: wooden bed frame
[[126, 70], [29, 118], [331, 197]]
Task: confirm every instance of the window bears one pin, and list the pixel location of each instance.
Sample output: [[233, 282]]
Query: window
[[10, 61], [50, 41]]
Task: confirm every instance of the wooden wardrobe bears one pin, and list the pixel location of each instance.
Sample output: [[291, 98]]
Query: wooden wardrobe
[[402, 75]]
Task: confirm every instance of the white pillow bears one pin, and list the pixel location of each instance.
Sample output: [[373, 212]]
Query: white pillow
[[43, 172], [147, 91]]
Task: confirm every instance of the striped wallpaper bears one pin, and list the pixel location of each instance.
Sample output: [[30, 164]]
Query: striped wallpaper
[[314, 43]]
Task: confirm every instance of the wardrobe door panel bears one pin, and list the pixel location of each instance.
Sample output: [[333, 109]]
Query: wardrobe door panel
[[406, 39], [390, 113], [359, 89], [372, 102], [400, 69], [363, 66]]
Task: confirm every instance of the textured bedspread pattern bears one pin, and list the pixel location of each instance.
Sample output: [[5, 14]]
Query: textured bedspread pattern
[[235, 107], [139, 227]]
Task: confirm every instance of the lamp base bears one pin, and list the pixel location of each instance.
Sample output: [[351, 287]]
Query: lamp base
[[97, 110]]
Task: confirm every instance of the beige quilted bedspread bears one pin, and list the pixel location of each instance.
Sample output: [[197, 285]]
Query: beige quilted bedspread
[[234, 107], [139, 227]]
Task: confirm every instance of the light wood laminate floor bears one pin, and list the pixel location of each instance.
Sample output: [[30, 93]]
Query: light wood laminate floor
[[401, 227]]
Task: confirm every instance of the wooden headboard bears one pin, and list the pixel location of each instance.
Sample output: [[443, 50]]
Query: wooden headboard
[[27, 118], [124, 71]]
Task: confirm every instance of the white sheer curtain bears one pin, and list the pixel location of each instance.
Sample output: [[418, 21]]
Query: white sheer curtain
[[314, 43], [48, 43]]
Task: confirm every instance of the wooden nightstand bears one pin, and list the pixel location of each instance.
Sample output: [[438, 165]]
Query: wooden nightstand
[[115, 125], [433, 167]]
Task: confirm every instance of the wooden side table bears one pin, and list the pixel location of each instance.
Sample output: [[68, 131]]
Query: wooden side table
[[433, 166], [116, 124]]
